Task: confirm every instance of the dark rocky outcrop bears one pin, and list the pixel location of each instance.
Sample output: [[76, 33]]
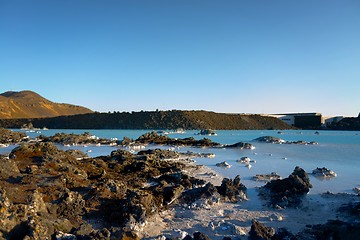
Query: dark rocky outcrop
[[267, 177], [259, 231], [288, 191], [229, 191], [232, 190], [349, 123], [200, 236], [154, 138], [49, 193], [153, 120], [333, 229], [323, 173], [208, 132], [11, 137], [76, 139], [270, 139], [240, 145]]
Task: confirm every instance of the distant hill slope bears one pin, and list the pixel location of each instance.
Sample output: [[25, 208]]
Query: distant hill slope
[[349, 123], [153, 120], [28, 104]]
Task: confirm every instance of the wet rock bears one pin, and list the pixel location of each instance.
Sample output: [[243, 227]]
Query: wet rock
[[267, 177], [201, 197], [171, 194], [323, 173], [120, 191], [260, 232], [154, 138], [158, 154], [352, 210], [200, 236], [77, 139], [223, 165], [283, 234], [132, 211], [333, 229], [241, 145], [121, 155], [64, 236], [126, 141], [191, 154], [10, 137], [78, 154], [188, 237], [288, 191], [38, 152], [269, 139], [244, 160], [232, 190], [208, 132], [357, 190]]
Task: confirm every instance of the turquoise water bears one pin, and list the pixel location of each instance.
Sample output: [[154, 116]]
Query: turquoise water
[[337, 150]]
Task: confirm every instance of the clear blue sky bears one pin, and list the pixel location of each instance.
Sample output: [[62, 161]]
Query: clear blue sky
[[226, 56]]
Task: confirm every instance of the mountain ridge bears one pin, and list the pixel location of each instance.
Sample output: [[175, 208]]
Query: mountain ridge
[[29, 104], [173, 119]]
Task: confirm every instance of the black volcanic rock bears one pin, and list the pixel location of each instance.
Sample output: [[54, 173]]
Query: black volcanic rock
[[333, 229], [259, 231], [240, 145], [113, 190], [269, 139], [287, 191], [11, 137], [232, 190]]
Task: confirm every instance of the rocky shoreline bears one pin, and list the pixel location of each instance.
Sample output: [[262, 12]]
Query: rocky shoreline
[[47, 193]]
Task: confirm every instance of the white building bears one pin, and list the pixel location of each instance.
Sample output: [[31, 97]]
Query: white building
[[330, 120]]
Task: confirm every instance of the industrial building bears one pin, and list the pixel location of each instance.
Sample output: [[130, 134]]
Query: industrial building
[[301, 120]]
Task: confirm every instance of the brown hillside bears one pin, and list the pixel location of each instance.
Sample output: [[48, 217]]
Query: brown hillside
[[28, 104]]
